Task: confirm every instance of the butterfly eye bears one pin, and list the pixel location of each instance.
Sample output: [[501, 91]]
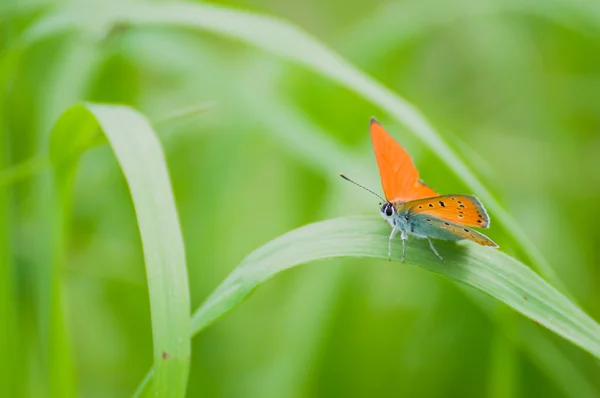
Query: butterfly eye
[[388, 210]]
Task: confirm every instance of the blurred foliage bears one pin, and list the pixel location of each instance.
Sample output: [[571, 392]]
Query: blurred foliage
[[513, 86]]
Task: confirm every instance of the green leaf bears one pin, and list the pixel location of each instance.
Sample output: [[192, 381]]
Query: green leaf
[[488, 270], [484, 269], [141, 158]]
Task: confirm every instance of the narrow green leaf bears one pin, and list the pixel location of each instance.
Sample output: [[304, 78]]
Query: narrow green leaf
[[488, 270], [140, 156], [484, 269]]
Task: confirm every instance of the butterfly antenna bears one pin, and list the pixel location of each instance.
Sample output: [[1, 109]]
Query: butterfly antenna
[[366, 189]]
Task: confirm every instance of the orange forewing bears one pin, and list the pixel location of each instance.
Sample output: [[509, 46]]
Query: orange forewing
[[459, 209], [399, 176]]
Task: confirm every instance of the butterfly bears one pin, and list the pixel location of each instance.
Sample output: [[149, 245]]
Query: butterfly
[[413, 208]]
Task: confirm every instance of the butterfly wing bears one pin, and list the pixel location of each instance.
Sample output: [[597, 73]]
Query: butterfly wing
[[399, 176], [460, 209], [425, 225]]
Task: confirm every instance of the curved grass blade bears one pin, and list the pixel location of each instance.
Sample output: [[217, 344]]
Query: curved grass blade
[[140, 156], [287, 41], [489, 271], [484, 269]]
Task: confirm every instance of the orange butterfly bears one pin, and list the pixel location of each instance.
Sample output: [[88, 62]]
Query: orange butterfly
[[412, 208]]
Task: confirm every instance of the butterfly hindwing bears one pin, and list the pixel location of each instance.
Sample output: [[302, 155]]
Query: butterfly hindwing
[[399, 176], [460, 209], [424, 225]]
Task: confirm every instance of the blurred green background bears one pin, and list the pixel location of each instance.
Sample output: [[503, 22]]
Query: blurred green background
[[513, 87]]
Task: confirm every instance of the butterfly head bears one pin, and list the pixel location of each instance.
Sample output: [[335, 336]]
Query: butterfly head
[[387, 210]]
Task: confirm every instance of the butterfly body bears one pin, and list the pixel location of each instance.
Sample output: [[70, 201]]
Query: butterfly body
[[412, 208], [408, 219]]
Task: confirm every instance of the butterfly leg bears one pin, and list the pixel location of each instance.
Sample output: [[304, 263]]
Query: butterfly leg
[[435, 251], [390, 244], [404, 237]]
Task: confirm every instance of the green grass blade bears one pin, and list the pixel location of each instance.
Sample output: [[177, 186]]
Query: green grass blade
[[488, 270], [484, 269], [287, 41], [140, 156]]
